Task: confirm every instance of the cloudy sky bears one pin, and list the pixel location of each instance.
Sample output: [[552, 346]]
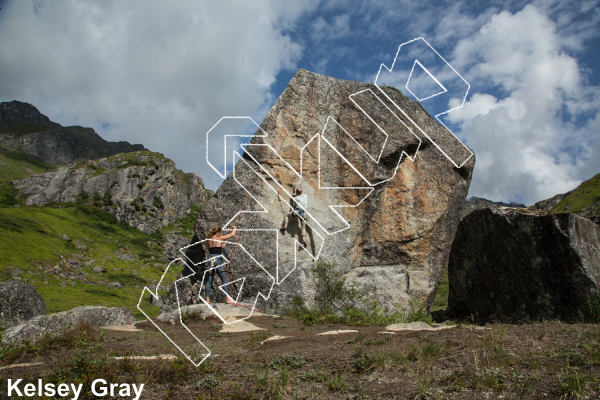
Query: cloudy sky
[[163, 73]]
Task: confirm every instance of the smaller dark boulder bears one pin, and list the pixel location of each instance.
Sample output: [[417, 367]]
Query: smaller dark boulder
[[513, 266], [19, 301]]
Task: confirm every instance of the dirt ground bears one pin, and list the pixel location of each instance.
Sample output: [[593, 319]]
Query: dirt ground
[[534, 361]]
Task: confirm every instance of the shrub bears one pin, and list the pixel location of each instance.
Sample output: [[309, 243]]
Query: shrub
[[157, 236], [590, 313], [332, 292], [140, 242], [97, 197], [98, 215], [336, 302], [157, 202], [83, 196], [8, 195]]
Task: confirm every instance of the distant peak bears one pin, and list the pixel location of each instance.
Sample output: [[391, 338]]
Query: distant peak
[[15, 111]]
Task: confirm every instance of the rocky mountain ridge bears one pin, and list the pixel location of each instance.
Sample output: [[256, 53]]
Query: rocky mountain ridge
[[584, 201], [474, 203], [24, 128], [142, 188]]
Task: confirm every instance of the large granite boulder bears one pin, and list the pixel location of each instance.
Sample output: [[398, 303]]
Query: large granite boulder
[[386, 221], [19, 301], [517, 267], [54, 324], [144, 189]]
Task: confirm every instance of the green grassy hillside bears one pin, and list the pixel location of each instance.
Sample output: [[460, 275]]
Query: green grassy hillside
[[18, 164], [32, 248], [584, 196]]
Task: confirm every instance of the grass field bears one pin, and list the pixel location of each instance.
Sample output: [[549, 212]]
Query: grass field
[[32, 243], [583, 196], [17, 164]]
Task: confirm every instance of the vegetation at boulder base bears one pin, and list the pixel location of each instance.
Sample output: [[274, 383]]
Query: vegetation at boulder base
[[590, 313], [337, 302]]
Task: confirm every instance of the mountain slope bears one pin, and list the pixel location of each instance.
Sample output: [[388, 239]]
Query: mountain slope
[[28, 136], [71, 253], [583, 200]]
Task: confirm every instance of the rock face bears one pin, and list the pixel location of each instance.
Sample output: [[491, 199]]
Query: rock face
[[19, 301], [54, 324], [398, 217], [171, 244], [145, 189], [518, 266], [546, 205], [23, 127]]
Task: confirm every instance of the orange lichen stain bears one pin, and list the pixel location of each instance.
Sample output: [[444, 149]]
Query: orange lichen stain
[[394, 219], [348, 212], [291, 154]]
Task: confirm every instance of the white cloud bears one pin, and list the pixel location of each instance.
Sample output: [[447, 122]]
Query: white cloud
[[527, 145], [337, 29], [160, 73]]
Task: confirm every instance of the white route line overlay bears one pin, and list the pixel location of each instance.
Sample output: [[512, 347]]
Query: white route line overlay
[[444, 90], [155, 295], [276, 279], [201, 268], [436, 116]]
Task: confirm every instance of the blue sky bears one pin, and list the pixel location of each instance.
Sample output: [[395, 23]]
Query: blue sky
[[163, 74]]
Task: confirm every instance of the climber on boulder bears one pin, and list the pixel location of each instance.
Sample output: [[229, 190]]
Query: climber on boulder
[[300, 204]]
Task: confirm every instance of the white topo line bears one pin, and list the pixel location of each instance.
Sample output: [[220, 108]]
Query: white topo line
[[277, 187]]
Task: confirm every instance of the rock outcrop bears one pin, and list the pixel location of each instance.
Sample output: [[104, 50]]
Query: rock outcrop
[[516, 267], [172, 242], [396, 218], [546, 205], [23, 127], [142, 188], [19, 301], [54, 324]]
